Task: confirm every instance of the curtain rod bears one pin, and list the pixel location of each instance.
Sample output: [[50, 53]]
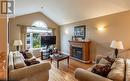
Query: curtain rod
[[32, 26]]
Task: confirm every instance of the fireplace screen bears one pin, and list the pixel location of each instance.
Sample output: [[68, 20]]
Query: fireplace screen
[[77, 52]]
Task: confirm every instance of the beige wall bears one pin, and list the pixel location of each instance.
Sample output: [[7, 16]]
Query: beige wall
[[117, 27], [14, 30]]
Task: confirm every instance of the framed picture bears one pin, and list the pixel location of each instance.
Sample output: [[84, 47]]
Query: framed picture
[[80, 31]]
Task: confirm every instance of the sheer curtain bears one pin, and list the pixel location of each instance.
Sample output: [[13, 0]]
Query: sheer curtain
[[23, 33]]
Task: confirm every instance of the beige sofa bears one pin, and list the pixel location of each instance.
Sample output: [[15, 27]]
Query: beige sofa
[[127, 70], [117, 72], [36, 52], [36, 72]]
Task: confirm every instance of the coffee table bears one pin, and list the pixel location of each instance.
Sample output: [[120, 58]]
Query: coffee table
[[59, 57]]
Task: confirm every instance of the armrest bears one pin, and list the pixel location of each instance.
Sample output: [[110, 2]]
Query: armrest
[[28, 71], [84, 75]]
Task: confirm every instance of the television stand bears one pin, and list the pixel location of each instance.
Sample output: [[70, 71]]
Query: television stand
[[44, 55]]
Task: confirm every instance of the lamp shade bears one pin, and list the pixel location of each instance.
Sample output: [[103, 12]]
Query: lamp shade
[[17, 42], [116, 44]]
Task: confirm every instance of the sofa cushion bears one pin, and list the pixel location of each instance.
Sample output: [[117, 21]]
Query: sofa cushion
[[117, 70], [19, 61], [108, 58], [101, 69], [104, 61], [127, 69], [118, 62], [98, 58], [36, 52], [29, 55], [18, 54], [24, 54], [116, 75], [11, 63]]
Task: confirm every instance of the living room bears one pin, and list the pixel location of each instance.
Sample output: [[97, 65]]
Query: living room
[[69, 40]]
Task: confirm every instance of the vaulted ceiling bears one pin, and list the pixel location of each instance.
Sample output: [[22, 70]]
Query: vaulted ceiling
[[68, 11]]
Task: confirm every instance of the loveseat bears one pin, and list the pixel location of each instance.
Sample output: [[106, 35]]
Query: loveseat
[[19, 71], [120, 71]]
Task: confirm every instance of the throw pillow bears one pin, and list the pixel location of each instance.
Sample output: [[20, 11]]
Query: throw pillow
[[18, 61], [101, 69], [24, 54], [104, 61], [98, 58], [29, 55], [31, 62], [118, 62], [111, 60], [27, 62]]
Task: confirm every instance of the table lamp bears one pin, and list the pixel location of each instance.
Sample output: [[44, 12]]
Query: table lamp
[[116, 45], [17, 43]]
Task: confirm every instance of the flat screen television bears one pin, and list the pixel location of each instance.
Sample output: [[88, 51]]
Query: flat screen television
[[48, 40]]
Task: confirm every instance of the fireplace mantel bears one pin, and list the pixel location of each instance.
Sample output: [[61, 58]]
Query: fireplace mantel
[[85, 46]]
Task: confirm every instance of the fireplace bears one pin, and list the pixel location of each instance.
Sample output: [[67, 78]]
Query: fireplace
[[80, 50], [77, 52]]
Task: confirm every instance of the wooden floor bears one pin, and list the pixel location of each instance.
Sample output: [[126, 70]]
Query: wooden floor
[[64, 73]]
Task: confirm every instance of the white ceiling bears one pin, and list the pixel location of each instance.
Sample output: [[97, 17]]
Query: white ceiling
[[68, 11]]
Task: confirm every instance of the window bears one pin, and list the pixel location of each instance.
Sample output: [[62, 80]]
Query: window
[[28, 35], [28, 41], [34, 33], [36, 40], [39, 24]]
